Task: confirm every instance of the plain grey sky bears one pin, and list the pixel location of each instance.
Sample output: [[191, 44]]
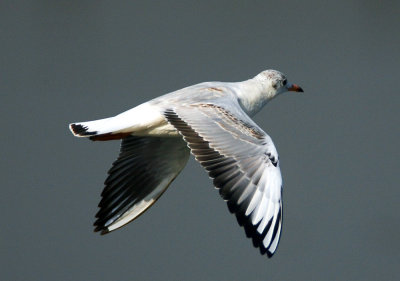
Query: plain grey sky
[[66, 61]]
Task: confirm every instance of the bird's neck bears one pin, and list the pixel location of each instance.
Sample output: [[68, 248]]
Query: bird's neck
[[252, 96]]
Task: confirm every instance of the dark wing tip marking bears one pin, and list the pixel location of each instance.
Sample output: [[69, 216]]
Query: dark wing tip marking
[[269, 254], [103, 230], [81, 130], [272, 158]]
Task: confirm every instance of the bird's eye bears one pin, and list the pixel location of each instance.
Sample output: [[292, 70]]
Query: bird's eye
[[284, 82]]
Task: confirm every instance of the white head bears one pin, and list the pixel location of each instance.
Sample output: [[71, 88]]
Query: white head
[[265, 86], [274, 83]]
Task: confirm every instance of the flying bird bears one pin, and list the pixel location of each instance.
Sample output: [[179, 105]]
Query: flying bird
[[211, 120]]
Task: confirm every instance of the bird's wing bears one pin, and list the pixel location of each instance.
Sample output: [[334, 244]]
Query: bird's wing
[[144, 169], [243, 163]]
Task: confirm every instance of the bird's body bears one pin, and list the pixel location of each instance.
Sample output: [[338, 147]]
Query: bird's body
[[211, 120]]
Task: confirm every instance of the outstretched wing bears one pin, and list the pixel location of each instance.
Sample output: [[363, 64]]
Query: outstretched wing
[[144, 169], [243, 163]]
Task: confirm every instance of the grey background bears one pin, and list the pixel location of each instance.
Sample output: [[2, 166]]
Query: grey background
[[65, 61]]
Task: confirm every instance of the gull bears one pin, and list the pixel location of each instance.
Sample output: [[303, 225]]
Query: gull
[[211, 120]]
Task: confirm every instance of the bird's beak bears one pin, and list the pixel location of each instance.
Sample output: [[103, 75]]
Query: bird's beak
[[295, 88]]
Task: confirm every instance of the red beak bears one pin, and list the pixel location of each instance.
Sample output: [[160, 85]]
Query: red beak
[[295, 88]]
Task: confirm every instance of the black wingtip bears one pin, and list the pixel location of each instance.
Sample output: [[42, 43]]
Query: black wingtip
[[251, 230], [80, 130], [103, 230]]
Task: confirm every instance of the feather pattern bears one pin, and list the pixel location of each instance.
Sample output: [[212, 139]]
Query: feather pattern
[[144, 169], [242, 161]]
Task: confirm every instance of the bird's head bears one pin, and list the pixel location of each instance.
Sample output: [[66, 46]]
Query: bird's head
[[274, 83]]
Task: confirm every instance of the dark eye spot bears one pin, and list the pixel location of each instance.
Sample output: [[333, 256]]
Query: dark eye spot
[[275, 85], [284, 82]]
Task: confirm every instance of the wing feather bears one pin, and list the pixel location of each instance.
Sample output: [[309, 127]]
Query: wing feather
[[144, 169], [243, 163]]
